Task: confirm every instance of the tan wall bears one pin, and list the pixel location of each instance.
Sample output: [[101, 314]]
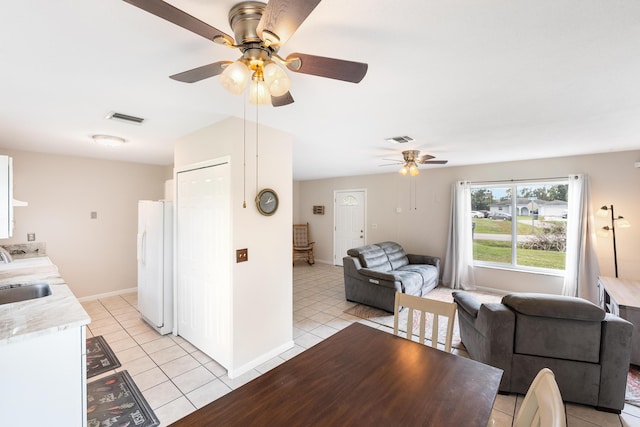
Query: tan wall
[[262, 286], [422, 226], [95, 256]]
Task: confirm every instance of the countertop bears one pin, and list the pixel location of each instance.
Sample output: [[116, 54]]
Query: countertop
[[27, 319]]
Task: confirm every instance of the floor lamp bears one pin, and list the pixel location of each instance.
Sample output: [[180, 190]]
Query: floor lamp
[[604, 232]]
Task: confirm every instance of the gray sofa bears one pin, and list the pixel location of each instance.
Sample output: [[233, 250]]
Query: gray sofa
[[587, 349], [373, 274]]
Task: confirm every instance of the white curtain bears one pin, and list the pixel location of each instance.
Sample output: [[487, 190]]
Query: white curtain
[[581, 268], [458, 265]]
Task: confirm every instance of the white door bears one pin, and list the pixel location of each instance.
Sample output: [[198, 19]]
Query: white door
[[349, 208], [150, 261], [203, 259]]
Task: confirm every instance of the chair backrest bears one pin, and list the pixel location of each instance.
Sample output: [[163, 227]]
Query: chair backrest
[[424, 306], [542, 405], [301, 235]]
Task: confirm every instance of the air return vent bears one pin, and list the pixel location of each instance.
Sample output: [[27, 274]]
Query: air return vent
[[399, 139], [125, 118]]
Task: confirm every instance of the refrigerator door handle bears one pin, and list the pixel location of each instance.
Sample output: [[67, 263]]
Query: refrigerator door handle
[[142, 238]]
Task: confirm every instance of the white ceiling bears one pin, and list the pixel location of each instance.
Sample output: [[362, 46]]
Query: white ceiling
[[473, 81]]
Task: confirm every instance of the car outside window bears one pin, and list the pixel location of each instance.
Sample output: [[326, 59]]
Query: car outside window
[[525, 225]]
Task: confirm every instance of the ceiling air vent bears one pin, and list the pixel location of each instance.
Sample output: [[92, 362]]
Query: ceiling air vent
[[399, 139], [125, 118]]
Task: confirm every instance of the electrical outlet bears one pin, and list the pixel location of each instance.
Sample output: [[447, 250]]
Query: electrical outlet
[[31, 237], [94, 215], [242, 255]]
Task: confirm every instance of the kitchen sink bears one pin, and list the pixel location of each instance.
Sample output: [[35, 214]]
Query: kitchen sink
[[23, 292]]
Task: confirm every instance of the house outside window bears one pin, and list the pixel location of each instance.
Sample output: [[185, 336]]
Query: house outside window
[[522, 225]]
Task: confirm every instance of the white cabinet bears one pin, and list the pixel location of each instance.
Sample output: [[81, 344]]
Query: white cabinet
[[44, 380], [6, 197]]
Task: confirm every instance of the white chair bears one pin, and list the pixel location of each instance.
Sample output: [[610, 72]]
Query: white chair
[[424, 306], [542, 405]]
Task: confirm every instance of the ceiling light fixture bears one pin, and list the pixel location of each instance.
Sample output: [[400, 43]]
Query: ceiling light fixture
[[267, 79], [410, 166], [108, 140]]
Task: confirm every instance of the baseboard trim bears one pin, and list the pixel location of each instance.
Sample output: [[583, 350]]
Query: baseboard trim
[[108, 294], [234, 373]]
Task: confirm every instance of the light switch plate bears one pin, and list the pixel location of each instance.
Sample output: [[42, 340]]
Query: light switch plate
[[31, 237]]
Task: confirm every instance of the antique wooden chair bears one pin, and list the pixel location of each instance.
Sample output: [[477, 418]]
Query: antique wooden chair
[[302, 246]]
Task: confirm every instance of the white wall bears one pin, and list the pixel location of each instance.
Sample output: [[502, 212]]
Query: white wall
[[95, 256], [422, 226], [262, 286]]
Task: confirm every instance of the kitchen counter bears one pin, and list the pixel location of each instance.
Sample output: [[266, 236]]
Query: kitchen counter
[[28, 319]]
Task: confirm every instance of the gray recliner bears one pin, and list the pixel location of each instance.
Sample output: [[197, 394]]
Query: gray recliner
[[373, 274], [587, 349]]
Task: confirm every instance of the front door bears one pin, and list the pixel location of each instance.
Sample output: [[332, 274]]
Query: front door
[[349, 214]]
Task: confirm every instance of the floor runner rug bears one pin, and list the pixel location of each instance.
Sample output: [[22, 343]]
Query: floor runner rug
[[115, 400], [100, 357], [382, 317]]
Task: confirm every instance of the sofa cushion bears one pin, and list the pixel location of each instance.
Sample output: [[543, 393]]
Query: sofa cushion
[[428, 273], [555, 306], [411, 281], [371, 256], [396, 254]]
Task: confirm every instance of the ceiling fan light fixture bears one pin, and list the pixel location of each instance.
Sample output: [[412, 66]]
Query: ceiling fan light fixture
[[276, 79], [404, 170], [259, 93], [234, 78], [413, 169]]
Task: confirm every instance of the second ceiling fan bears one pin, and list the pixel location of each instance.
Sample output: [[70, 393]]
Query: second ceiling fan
[[411, 159], [260, 30]]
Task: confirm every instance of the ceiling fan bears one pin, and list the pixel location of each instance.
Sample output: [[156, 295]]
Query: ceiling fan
[[260, 30], [411, 159]]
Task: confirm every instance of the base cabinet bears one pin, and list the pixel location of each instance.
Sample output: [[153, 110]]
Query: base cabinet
[[43, 380], [621, 297]]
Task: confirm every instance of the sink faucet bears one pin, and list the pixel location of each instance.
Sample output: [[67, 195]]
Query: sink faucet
[[5, 256]]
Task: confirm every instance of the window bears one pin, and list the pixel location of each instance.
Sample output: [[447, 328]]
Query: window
[[520, 225]]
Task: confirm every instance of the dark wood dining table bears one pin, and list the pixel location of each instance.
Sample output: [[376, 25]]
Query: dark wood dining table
[[361, 376]]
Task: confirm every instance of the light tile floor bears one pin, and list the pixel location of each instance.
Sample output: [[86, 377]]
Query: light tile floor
[[176, 378]]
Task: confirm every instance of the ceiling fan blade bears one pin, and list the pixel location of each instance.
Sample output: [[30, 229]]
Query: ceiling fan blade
[[282, 18], [331, 68], [173, 14], [201, 73], [436, 162], [424, 158], [391, 164], [399, 162], [279, 101]]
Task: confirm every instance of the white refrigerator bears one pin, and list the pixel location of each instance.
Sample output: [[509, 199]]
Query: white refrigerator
[[155, 264]]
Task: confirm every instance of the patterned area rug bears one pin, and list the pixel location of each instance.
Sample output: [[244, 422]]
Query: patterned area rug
[[633, 386], [100, 357], [381, 317], [115, 400]]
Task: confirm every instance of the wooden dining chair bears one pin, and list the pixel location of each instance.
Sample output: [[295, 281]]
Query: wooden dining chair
[[542, 405], [303, 247], [428, 308]]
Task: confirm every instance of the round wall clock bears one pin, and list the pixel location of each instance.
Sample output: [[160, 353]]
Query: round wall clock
[[267, 201]]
